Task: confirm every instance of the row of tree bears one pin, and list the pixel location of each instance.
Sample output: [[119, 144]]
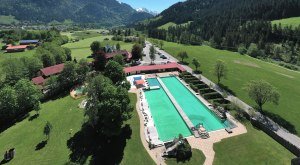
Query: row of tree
[[51, 54], [13, 36]]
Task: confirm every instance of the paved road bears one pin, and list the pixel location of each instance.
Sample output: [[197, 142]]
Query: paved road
[[158, 60], [291, 138]]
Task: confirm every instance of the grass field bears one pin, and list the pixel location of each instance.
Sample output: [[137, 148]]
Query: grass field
[[293, 21], [254, 147], [81, 49], [25, 136], [170, 24], [82, 34], [241, 70], [64, 115], [7, 20], [197, 158]]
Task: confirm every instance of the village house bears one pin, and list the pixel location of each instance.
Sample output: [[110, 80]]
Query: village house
[[45, 73]]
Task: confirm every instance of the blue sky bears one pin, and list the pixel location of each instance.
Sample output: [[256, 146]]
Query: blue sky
[[153, 5]]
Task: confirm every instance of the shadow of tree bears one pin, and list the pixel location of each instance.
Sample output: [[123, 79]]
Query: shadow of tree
[[87, 142], [281, 121], [226, 88], [33, 117], [5, 161], [41, 145]]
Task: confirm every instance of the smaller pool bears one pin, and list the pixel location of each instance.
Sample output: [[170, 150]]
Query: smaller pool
[[153, 82], [80, 89]]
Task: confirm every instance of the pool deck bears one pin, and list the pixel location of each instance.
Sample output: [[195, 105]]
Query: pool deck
[[179, 109], [155, 153]]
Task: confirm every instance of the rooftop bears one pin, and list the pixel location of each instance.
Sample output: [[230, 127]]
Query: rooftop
[[154, 67], [38, 80], [52, 70], [122, 52], [10, 47]]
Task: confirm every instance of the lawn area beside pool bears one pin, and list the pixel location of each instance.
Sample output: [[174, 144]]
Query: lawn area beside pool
[[197, 158], [64, 115], [254, 147], [241, 70], [81, 49]]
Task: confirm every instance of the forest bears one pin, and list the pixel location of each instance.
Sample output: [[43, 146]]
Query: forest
[[232, 25]]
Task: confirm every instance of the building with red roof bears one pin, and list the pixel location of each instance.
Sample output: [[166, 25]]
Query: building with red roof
[[52, 70], [154, 68], [127, 55], [46, 73], [38, 80], [18, 48]]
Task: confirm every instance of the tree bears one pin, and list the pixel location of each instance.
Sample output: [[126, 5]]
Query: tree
[[242, 49], [114, 71], [47, 130], [100, 61], [14, 71], [119, 59], [118, 46], [95, 46], [161, 43], [196, 63], [261, 92], [184, 150], [220, 70], [28, 95], [68, 54], [33, 65], [47, 58], [136, 51], [107, 106], [253, 50], [152, 53], [82, 68], [68, 76], [183, 55], [8, 104]]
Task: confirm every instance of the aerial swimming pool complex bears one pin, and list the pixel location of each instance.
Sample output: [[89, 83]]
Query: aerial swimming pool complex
[[167, 119]]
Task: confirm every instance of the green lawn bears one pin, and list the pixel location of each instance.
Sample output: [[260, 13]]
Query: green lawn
[[293, 21], [241, 70], [82, 34], [7, 20], [167, 25], [64, 115], [81, 49], [135, 152], [170, 24], [197, 158], [254, 147]]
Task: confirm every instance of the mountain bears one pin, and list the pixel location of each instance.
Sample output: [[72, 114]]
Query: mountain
[[235, 25], [201, 10], [141, 10], [107, 12]]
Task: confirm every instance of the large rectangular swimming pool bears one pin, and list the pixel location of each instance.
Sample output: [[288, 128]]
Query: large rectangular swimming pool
[[166, 117], [167, 120], [197, 112]]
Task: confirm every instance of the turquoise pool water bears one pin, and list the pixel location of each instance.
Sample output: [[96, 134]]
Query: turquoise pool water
[[193, 108], [167, 120]]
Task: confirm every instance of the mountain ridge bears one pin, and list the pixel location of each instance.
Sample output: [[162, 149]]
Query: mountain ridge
[[110, 12]]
